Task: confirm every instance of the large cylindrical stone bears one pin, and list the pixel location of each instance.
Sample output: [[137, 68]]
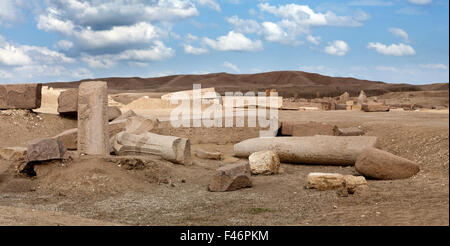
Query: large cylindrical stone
[[327, 150], [93, 135]]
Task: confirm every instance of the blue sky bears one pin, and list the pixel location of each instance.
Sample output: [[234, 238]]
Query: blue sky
[[396, 41]]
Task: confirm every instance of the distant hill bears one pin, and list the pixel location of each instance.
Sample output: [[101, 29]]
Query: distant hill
[[287, 83]]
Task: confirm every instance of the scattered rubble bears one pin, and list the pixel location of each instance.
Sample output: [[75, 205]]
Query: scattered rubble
[[231, 177], [264, 162], [203, 154], [325, 181], [13, 153], [375, 108], [378, 164]]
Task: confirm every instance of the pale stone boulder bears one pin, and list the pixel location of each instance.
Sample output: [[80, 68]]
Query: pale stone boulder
[[174, 149], [325, 181], [20, 96], [325, 150], [13, 153], [93, 135], [45, 149], [202, 154], [378, 164], [352, 183], [264, 162], [231, 177], [344, 98], [362, 98]]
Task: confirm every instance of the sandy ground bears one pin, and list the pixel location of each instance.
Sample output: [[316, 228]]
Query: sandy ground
[[156, 192]]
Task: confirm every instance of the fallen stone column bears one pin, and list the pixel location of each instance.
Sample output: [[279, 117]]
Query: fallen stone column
[[21, 96], [174, 149], [327, 150], [93, 135]]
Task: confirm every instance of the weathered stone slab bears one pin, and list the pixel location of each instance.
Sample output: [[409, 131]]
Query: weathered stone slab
[[45, 149], [375, 108], [325, 150], [93, 134], [20, 96], [174, 149], [68, 102], [264, 162], [202, 154], [341, 106], [378, 164], [299, 129], [351, 131], [231, 177], [344, 98]]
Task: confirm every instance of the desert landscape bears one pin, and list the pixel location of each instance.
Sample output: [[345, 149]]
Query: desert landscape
[[344, 152]]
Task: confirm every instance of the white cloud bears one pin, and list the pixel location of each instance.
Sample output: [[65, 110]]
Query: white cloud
[[420, 2], [399, 33], [157, 52], [189, 49], [64, 45], [210, 4], [273, 33], [82, 73], [5, 75], [434, 66], [393, 49], [233, 42], [190, 37], [313, 40], [304, 15], [13, 56], [337, 47], [9, 11], [231, 66], [243, 26], [371, 3]]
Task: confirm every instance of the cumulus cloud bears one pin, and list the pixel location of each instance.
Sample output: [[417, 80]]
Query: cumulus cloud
[[393, 49], [420, 2], [233, 41], [243, 26], [313, 40], [399, 33], [337, 47], [64, 45], [13, 56], [210, 4], [189, 49], [231, 66], [9, 12]]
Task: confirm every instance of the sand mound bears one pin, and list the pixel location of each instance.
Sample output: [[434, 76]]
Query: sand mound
[[102, 175]]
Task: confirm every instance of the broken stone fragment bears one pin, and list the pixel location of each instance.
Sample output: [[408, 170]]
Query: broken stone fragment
[[20, 96], [114, 113], [264, 162], [352, 183], [129, 113], [139, 124], [45, 149], [231, 177], [378, 164], [325, 181], [351, 131], [174, 149], [202, 154], [362, 98], [300, 129], [68, 103], [13, 153], [344, 98], [375, 108]]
